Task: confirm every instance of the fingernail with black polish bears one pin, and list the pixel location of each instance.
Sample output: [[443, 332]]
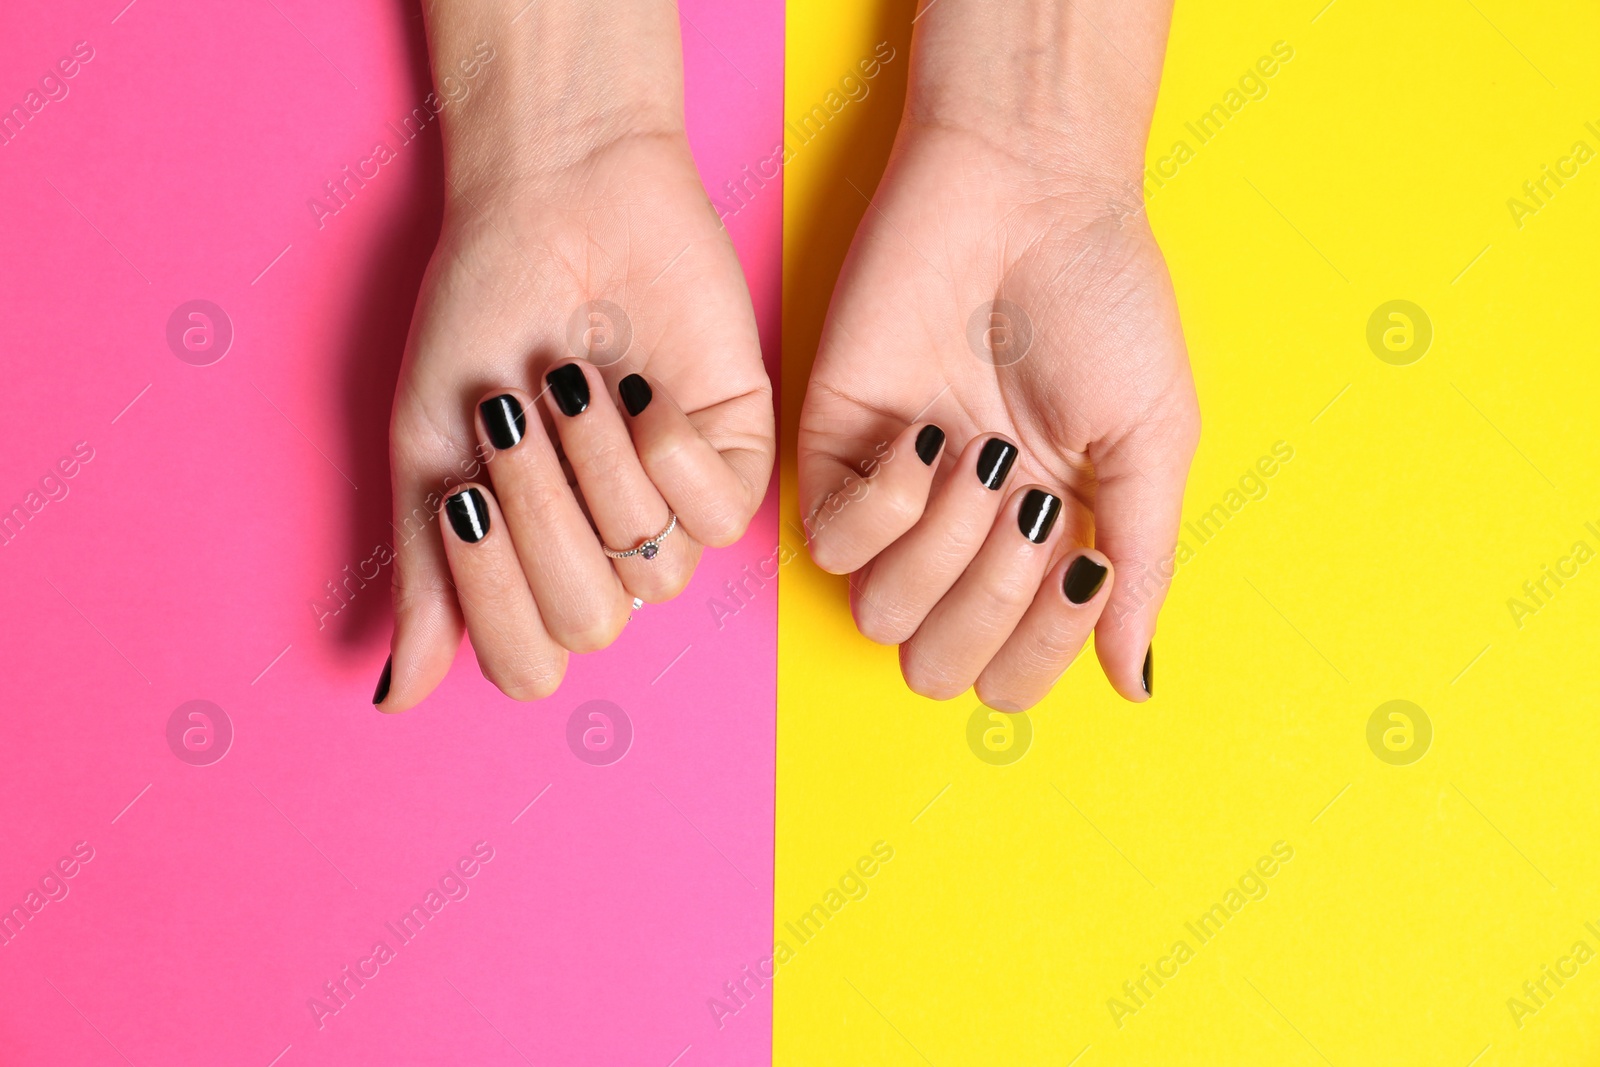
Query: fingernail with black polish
[[469, 515], [1037, 515], [635, 393], [504, 420], [383, 682], [930, 439], [1148, 675], [570, 388], [1083, 580], [994, 462]]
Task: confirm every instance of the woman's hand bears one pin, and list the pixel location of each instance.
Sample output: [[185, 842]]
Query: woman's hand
[[583, 361], [1004, 287]]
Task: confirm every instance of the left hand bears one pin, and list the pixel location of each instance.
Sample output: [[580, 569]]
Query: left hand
[[536, 426]]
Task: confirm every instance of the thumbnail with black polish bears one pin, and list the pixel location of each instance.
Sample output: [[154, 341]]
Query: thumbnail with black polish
[[1083, 580], [504, 419], [929, 440], [994, 462], [570, 388], [383, 682], [1147, 676], [635, 393], [1037, 515], [469, 515]]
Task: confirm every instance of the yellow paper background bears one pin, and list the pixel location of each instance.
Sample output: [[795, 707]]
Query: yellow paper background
[[1377, 567]]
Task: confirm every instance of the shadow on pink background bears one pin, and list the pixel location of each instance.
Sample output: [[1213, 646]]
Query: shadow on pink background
[[207, 508]]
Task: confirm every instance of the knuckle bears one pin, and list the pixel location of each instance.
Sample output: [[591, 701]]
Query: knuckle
[[1051, 648], [884, 619], [596, 628], [526, 669], [1012, 593], [415, 592], [662, 452], [1003, 697], [1175, 430], [660, 586], [609, 460], [877, 627], [1189, 430], [928, 680], [900, 504], [529, 682], [590, 638], [932, 687], [827, 554], [677, 582], [720, 523]]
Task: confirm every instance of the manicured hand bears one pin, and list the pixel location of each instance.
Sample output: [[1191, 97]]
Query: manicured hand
[[583, 365], [1001, 384]]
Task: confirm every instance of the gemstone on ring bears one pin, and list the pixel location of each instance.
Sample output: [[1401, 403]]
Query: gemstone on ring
[[649, 548]]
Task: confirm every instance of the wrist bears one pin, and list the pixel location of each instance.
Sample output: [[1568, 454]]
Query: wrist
[[1067, 88], [526, 91]]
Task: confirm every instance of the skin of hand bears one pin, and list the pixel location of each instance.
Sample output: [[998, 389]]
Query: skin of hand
[[579, 257], [1004, 284]]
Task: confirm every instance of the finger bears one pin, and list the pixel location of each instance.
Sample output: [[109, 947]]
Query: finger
[[1050, 635], [580, 598], [706, 489], [892, 596], [1138, 507], [626, 507], [514, 649], [970, 624], [427, 620], [865, 514]]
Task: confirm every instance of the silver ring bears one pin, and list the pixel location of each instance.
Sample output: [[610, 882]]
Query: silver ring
[[646, 548]]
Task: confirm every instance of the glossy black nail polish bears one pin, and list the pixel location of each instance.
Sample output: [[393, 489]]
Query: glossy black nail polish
[[383, 682], [1037, 515], [930, 439], [1083, 580], [570, 388], [503, 418], [1148, 675], [635, 393], [469, 515], [994, 462]]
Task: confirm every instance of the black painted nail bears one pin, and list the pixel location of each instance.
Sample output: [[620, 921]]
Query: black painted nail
[[504, 420], [635, 393], [469, 515], [929, 440], [1148, 676], [1037, 515], [570, 387], [1083, 580], [994, 462], [383, 682]]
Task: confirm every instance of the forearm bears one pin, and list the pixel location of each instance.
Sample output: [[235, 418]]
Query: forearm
[[562, 78], [1066, 83]]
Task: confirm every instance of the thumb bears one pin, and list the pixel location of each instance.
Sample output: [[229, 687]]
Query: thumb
[[1138, 507], [427, 619]]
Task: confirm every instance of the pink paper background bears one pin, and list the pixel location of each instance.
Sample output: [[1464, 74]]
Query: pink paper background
[[181, 563]]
